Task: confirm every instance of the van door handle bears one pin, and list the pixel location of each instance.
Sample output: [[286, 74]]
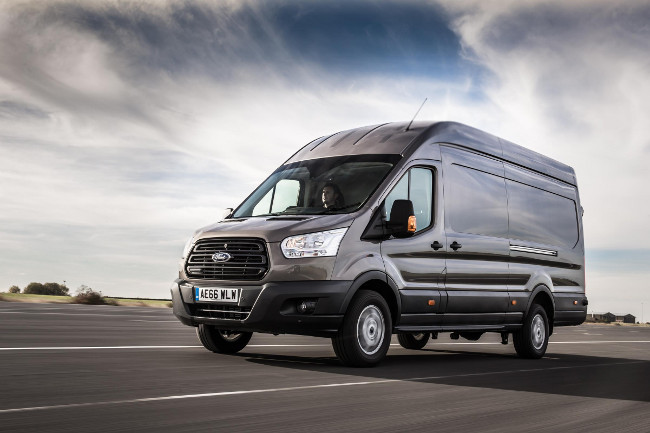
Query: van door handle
[[455, 246], [436, 245]]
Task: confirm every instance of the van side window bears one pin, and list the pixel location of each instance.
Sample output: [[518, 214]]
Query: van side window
[[416, 185], [476, 202], [541, 216], [283, 195]]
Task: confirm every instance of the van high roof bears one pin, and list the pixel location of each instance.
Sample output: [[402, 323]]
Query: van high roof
[[393, 138]]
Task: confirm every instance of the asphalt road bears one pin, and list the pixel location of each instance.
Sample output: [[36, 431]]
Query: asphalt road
[[102, 368]]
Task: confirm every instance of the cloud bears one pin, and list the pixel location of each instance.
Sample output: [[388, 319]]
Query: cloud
[[570, 80]]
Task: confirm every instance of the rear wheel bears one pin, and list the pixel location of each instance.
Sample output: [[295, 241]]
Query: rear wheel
[[364, 337], [413, 340], [531, 340], [221, 340]]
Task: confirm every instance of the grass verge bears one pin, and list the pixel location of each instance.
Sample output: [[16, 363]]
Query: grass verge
[[47, 299]]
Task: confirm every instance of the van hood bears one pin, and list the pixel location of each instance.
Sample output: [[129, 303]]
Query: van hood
[[274, 228]]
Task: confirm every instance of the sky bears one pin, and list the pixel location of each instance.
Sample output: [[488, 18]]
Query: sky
[[125, 126]]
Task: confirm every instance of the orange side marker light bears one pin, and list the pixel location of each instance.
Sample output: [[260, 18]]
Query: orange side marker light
[[432, 302], [411, 224]]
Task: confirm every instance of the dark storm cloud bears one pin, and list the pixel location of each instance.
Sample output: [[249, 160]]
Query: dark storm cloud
[[184, 38], [371, 37], [623, 23]]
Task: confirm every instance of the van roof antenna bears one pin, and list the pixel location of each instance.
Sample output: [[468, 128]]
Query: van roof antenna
[[416, 114]]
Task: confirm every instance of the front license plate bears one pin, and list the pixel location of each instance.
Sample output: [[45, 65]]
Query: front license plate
[[214, 294]]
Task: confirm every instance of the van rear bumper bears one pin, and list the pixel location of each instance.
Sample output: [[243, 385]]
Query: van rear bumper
[[569, 318], [268, 308]]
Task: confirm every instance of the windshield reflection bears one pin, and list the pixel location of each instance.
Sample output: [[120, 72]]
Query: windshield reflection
[[338, 184]]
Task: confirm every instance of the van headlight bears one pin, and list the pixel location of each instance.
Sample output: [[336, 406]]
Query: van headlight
[[320, 244]]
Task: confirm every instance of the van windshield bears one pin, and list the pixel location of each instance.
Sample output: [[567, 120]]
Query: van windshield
[[339, 184]]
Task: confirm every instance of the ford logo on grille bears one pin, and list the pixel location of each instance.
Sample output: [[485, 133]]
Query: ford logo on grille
[[220, 256]]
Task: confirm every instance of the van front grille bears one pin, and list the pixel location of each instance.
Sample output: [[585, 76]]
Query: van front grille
[[240, 259]]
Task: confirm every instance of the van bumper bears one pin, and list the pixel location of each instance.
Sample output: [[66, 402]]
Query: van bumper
[[569, 318], [269, 308], [570, 309]]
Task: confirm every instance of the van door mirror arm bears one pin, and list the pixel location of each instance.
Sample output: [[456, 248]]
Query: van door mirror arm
[[376, 229], [400, 225], [227, 212]]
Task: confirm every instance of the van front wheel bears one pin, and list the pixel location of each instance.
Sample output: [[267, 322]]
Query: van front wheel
[[532, 339], [413, 340], [221, 340], [364, 337]]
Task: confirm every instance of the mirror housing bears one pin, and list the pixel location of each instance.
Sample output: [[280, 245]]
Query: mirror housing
[[402, 219]]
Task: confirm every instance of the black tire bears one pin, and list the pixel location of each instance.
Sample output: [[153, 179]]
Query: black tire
[[531, 340], [222, 341], [364, 337], [413, 340]]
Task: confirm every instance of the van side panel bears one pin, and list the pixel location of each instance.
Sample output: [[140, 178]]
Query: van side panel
[[546, 245]]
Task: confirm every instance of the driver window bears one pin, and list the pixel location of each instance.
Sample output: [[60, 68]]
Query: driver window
[[416, 185]]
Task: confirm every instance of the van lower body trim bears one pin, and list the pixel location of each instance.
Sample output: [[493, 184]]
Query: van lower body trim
[[460, 328]]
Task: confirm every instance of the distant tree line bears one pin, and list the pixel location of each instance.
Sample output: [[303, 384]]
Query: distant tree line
[[84, 294], [54, 289]]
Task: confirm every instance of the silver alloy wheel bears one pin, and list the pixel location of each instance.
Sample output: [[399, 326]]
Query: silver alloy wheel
[[538, 332], [229, 335], [419, 336], [370, 329]]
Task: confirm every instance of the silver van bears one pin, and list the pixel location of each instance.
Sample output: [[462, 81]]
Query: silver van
[[413, 229]]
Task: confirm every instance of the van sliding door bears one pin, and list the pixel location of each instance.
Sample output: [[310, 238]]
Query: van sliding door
[[476, 224]]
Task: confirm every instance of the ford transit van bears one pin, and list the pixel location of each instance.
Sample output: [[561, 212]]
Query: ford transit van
[[408, 229]]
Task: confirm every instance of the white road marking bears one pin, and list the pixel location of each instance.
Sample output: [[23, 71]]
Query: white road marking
[[166, 321], [284, 345], [95, 347], [149, 347], [300, 388], [599, 342]]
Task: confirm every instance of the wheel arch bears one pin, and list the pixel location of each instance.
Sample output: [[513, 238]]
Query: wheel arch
[[543, 296], [381, 283]]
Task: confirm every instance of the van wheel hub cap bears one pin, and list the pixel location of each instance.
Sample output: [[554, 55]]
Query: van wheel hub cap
[[229, 335], [370, 329], [538, 332]]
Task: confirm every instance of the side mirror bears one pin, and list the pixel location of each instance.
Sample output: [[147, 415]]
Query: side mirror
[[226, 213], [402, 219]]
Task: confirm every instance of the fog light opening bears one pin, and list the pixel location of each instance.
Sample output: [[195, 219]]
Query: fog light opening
[[306, 306]]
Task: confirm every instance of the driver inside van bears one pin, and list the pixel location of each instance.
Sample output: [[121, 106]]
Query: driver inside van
[[332, 196]]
